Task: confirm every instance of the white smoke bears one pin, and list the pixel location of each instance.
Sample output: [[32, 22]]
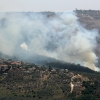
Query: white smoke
[[24, 46], [58, 36]]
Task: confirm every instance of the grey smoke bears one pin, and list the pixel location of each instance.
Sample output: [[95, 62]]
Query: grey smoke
[[59, 36]]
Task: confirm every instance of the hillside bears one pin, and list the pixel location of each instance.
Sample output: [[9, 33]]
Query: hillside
[[89, 18], [27, 81]]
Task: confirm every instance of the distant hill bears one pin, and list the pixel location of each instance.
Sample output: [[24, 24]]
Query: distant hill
[[89, 18], [70, 66], [47, 61]]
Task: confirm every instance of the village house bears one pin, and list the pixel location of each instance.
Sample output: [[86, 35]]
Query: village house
[[53, 71], [16, 63], [3, 67]]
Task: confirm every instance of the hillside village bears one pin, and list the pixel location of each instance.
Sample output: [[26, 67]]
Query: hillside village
[[26, 80]]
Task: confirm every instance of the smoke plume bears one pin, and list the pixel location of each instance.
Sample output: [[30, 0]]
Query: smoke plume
[[24, 46], [56, 35]]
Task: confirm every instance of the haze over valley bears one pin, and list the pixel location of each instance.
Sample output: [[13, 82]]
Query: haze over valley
[[61, 36]]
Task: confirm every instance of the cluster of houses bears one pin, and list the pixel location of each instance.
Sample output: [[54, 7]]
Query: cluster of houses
[[8, 64], [42, 72]]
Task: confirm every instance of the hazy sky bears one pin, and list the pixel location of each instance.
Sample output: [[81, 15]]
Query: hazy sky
[[48, 5]]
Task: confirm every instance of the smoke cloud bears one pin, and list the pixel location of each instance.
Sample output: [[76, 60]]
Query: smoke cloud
[[24, 46], [58, 35]]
